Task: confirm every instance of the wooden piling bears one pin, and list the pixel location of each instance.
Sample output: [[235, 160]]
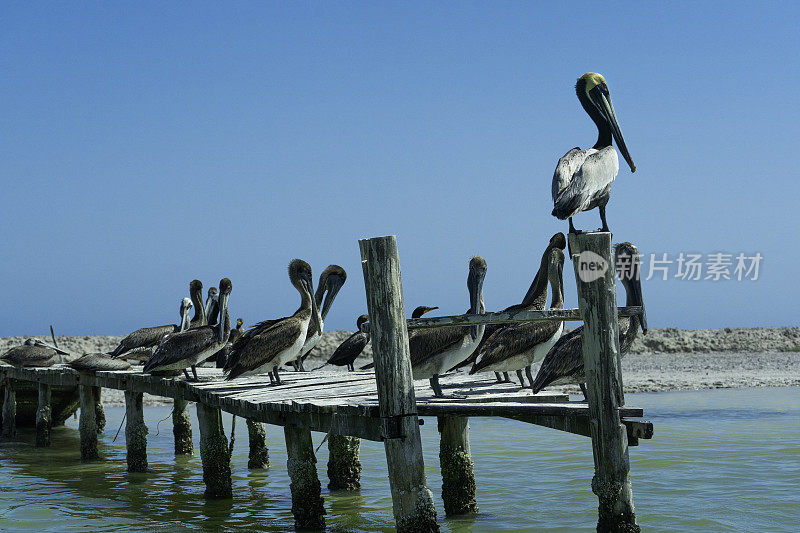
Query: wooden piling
[[307, 502], [597, 300], [412, 500], [9, 410], [87, 425], [44, 416], [135, 432], [214, 452], [458, 478], [259, 454], [99, 412], [344, 468], [182, 427]]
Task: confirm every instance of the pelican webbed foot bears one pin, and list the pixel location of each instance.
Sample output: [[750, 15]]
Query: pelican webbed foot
[[530, 376], [277, 377], [498, 377], [437, 389]]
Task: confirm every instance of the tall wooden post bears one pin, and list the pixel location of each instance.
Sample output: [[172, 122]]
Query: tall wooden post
[[214, 452], [458, 478], [87, 425], [135, 432], [307, 502], [412, 500], [44, 416], [258, 456], [597, 299], [182, 427], [9, 410], [99, 412], [344, 468]]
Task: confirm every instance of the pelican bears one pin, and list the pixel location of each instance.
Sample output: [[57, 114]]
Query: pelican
[[436, 350], [33, 353], [351, 348], [196, 293], [141, 342], [330, 281], [212, 306], [191, 347], [564, 362], [271, 343], [92, 362], [221, 356], [416, 313], [518, 346], [534, 299], [582, 180]]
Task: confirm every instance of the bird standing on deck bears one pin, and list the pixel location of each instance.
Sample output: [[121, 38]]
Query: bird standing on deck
[[416, 313], [330, 281], [436, 350], [349, 350], [33, 353], [189, 348], [140, 344], [563, 364], [269, 344], [582, 180]]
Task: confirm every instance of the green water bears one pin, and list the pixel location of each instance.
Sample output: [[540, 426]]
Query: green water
[[721, 460]]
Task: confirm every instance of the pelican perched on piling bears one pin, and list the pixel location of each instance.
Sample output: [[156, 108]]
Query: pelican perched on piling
[[563, 364], [349, 350], [436, 350], [140, 344], [330, 282], [272, 343], [582, 180], [33, 353], [189, 348], [518, 346]]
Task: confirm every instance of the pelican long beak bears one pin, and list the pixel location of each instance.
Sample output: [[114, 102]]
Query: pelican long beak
[[185, 318], [638, 299], [223, 307], [330, 295], [603, 102], [316, 318], [475, 283]]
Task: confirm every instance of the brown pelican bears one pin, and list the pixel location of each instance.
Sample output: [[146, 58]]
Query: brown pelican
[[564, 362], [351, 348], [33, 353], [518, 346], [212, 306], [139, 344], [535, 299], [330, 281], [271, 343], [193, 346], [582, 180], [222, 356], [91, 362], [416, 313], [436, 350], [196, 293]]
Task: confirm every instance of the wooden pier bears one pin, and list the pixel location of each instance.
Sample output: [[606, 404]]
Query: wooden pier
[[383, 406]]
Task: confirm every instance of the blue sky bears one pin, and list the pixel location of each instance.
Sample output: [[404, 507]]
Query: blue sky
[[144, 146]]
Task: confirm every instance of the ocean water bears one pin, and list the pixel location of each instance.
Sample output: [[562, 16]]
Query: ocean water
[[720, 460]]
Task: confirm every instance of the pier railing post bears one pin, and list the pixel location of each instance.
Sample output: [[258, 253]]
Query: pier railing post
[[9, 410], [344, 468], [87, 425], [258, 456], [458, 477], [44, 416], [412, 500], [307, 502], [182, 427], [214, 452], [135, 432], [597, 299]]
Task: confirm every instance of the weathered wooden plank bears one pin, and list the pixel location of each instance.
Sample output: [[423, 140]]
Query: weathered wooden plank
[[597, 299], [412, 501], [512, 409], [579, 425]]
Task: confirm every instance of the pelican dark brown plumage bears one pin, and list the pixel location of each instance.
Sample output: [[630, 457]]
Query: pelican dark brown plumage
[[33, 354], [349, 350], [139, 344], [330, 282]]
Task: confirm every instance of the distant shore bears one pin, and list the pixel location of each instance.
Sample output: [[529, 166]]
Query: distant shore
[[663, 360]]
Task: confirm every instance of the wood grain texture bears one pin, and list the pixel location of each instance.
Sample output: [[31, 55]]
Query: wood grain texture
[[87, 426], [182, 427], [214, 452], [307, 501], [44, 416], [458, 477], [135, 432]]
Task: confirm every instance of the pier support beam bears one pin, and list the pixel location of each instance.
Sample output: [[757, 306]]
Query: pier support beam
[[307, 502], [458, 478], [87, 425], [344, 468], [99, 412], [214, 452], [135, 432], [412, 500], [597, 300], [182, 427], [44, 416], [9, 410], [259, 454]]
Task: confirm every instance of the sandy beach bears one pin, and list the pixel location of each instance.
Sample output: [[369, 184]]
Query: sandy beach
[[663, 360]]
